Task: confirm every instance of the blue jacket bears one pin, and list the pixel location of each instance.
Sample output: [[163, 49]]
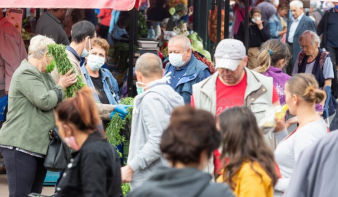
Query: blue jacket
[[305, 23], [196, 71], [275, 25], [110, 85]]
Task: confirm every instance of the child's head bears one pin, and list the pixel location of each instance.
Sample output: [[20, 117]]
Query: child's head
[[123, 22], [273, 53], [242, 140]]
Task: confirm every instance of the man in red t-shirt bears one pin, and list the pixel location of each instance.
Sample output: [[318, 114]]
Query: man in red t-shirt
[[235, 85]]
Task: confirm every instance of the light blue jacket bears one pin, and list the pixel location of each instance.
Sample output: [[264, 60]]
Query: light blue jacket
[[275, 25], [110, 85]]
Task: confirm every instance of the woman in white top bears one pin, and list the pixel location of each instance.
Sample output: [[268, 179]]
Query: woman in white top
[[302, 93]]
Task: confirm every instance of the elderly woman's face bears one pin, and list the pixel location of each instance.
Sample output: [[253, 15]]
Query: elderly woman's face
[[308, 47], [257, 15]]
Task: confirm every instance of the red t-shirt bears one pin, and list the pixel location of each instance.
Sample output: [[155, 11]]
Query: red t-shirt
[[232, 96]]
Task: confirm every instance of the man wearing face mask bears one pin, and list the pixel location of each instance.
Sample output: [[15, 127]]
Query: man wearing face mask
[[50, 25], [152, 110], [183, 67], [82, 36]]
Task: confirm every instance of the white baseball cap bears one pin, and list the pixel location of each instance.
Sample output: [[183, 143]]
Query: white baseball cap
[[229, 53]]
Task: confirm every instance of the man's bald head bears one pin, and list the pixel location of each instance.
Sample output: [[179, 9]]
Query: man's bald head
[[149, 65], [182, 40]]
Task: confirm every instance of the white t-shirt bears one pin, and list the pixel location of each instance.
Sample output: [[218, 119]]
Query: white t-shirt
[[288, 151]]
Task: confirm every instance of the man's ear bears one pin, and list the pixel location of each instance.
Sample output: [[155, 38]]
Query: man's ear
[[245, 61], [139, 76]]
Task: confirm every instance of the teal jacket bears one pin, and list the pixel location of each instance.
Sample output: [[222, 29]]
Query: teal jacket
[[32, 98]]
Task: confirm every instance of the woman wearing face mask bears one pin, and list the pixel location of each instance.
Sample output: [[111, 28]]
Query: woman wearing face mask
[[187, 144], [94, 169], [249, 164], [259, 32], [24, 140], [302, 93], [100, 78]]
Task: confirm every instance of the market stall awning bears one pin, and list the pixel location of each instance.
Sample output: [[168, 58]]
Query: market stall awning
[[122, 5]]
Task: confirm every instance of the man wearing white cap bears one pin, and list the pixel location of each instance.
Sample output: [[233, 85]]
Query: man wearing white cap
[[235, 85]]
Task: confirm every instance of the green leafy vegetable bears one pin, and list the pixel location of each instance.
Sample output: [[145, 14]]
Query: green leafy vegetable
[[116, 124], [125, 188], [63, 65]]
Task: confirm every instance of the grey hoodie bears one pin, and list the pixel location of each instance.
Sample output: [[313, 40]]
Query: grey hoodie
[[186, 182], [151, 115]]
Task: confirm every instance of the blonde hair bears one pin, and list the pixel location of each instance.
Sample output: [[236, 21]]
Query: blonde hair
[[270, 53], [103, 44], [305, 86], [38, 46]]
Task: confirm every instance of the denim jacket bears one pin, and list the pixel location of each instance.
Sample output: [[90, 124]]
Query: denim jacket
[[275, 26], [196, 71], [110, 85]]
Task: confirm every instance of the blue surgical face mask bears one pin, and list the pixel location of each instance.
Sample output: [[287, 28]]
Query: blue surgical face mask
[[85, 52], [95, 62]]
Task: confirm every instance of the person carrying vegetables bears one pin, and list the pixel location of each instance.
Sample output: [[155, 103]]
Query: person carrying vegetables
[[83, 35], [183, 68], [151, 114]]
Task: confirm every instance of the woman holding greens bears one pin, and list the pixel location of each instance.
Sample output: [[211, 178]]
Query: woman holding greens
[[24, 140]]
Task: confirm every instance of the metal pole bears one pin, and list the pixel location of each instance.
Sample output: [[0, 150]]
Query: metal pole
[[219, 20], [133, 29], [226, 18], [246, 28], [37, 14]]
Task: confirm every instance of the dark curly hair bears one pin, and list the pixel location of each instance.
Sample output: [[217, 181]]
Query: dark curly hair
[[189, 133]]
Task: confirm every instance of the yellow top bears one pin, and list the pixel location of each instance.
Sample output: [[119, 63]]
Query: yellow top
[[249, 183]]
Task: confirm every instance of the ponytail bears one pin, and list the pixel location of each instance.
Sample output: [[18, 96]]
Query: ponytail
[[305, 86], [271, 52], [264, 61], [80, 110]]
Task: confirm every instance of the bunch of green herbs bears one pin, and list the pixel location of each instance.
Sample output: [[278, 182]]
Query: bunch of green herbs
[[61, 62]]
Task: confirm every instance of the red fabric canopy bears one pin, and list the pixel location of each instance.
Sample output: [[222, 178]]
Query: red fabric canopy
[[122, 5]]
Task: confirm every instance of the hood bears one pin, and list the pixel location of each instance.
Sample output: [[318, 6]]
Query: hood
[[163, 89], [187, 182]]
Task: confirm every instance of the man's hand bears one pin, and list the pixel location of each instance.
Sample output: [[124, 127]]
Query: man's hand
[[126, 174]]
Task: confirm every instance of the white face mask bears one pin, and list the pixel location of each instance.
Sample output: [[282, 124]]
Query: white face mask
[[85, 52], [176, 59], [95, 62], [254, 20]]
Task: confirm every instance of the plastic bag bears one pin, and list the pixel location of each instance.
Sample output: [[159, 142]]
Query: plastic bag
[[268, 123]]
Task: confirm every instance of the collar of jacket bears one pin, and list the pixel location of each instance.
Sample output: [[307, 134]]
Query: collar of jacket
[[70, 49], [253, 90], [191, 72], [53, 17], [93, 137], [103, 74]]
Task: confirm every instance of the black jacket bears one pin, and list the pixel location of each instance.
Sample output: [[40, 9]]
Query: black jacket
[[322, 27], [93, 171], [187, 182], [256, 36]]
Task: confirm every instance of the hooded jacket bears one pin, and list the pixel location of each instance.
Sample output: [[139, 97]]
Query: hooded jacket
[[187, 182], [151, 115], [316, 171]]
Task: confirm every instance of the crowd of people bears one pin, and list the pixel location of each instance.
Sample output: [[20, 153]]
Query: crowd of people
[[193, 132]]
